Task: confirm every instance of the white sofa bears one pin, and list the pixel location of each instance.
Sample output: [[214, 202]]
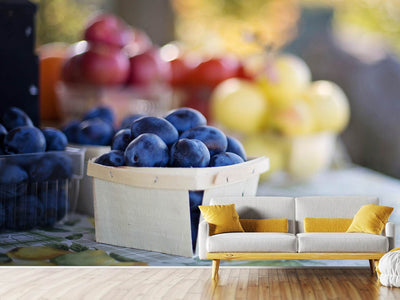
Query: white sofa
[[296, 244]]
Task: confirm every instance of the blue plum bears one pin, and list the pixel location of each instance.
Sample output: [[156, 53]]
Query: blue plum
[[195, 199], [71, 131], [95, 132], [235, 146], [128, 120], [2, 214], [48, 203], [41, 170], [147, 150], [188, 153], [51, 166], [53, 198], [185, 118], [13, 180], [114, 158], [13, 190], [61, 188], [23, 160], [121, 140], [23, 213], [101, 112], [194, 227], [15, 117], [10, 173], [3, 133], [63, 165], [24, 139], [55, 139], [159, 126], [212, 137], [225, 159], [62, 204]]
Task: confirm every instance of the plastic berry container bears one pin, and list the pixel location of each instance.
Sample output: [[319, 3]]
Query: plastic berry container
[[39, 189]]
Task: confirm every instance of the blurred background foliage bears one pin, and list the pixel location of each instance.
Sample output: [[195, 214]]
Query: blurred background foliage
[[372, 16], [63, 20], [226, 25], [230, 25], [274, 22]]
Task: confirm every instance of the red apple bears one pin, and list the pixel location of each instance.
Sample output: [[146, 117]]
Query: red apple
[[100, 65], [215, 70], [140, 43], [108, 29], [70, 72], [180, 71], [147, 68], [103, 65]]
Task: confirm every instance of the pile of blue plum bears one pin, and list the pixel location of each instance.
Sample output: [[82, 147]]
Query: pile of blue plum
[[96, 128], [180, 139], [34, 173]]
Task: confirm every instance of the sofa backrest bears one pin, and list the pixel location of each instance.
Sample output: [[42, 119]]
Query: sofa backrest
[[329, 207], [261, 207]]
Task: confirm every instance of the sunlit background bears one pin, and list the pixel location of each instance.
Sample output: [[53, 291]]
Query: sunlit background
[[355, 44]]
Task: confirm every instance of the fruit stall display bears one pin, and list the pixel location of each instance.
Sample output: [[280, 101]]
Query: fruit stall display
[[267, 100], [175, 162], [38, 174]]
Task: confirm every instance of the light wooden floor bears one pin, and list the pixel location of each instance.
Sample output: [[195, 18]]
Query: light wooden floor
[[191, 283]]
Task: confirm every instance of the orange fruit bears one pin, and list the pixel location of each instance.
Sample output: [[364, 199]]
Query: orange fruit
[[51, 60]]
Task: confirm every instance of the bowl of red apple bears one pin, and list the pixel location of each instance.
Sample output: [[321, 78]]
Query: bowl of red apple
[[114, 65]]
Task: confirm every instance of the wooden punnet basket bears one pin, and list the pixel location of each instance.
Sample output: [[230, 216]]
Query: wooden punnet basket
[[148, 208]]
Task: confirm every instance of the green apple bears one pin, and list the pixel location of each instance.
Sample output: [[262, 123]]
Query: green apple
[[272, 146], [283, 79], [239, 106], [293, 120], [329, 106]]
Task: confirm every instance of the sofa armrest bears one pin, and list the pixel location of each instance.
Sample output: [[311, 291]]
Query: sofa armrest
[[202, 239], [390, 233]]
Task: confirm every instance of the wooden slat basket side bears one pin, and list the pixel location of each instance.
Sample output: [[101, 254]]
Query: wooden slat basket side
[[179, 178]]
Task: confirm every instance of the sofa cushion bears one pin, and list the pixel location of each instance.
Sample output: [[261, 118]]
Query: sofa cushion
[[326, 224], [221, 218], [252, 242], [370, 219], [341, 242], [264, 225]]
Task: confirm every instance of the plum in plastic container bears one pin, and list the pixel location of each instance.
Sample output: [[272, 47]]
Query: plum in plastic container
[[39, 189]]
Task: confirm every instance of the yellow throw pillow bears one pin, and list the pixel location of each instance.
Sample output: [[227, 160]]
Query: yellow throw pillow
[[326, 224], [264, 225], [221, 218], [370, 218]]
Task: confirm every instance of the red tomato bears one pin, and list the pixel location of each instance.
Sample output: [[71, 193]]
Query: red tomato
[[213, 71]]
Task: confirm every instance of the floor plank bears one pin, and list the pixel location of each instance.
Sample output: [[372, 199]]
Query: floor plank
[[192, 283]]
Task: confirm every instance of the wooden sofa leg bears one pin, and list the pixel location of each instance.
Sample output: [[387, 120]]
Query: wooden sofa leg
[[215, 267], [372, 266]]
